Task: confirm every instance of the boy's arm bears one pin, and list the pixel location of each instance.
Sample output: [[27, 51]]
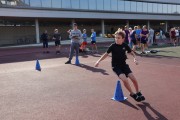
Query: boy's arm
[[102, 58], [134, 56]]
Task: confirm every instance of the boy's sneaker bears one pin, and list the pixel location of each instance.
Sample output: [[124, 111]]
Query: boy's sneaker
[[136, 97], [141, 96], [68, 62]]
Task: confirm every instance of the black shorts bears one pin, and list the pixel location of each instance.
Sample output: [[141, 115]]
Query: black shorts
[[45, 44], [134, 42], [144, 41], [122, 70], [57, 42], [93, 42], [138, 39]]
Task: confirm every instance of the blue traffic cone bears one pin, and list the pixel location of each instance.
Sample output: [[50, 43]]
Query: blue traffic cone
[[118, 94], [77, 61], [38, 67]]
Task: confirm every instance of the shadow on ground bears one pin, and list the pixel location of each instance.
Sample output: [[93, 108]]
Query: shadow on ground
[[93, 69], [146, 107]]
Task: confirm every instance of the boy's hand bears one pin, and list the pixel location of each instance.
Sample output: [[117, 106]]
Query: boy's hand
[[135, 61], [96, 64]]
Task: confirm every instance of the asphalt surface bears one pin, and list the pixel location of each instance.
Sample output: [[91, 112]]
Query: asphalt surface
[[70, 92]]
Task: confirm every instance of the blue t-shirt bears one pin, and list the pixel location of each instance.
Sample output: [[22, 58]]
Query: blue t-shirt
[[138, 32], [84, 36], [93, 36]]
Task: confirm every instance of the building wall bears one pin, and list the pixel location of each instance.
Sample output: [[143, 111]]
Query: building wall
[[10, 35], [87, 13]]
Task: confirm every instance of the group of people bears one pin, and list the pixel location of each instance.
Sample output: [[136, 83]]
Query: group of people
[[138, 37], [75, 35], [56, 38]]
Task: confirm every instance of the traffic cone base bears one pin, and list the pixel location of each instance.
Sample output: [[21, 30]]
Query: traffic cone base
[[118, 94], [77, 61], [125, 98]]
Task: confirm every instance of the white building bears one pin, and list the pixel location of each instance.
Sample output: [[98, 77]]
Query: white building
[[22, 21]]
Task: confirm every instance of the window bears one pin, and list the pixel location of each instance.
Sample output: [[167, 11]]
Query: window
[[84, 4], [155, 8], [107, 4], [127, 6], [66, 3], [3, 2], [150, 7], [35, 3], [178, 9], [145, 7], [165, 8], [133, 7], [160, 8], [174, 10], [114, 4], [169, 9], [139, 7], [75, 4], [46, 3], [56, 3], [100, 4], [27, 2], [120, 5], [92, 4]]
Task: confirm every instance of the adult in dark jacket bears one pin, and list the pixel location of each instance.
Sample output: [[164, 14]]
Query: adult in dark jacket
[[44, 38]]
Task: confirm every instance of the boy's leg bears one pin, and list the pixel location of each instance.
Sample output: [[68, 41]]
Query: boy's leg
[[133, 79], [92, 47], [135, 83], [96, 47], [126, 83], [128, 87]]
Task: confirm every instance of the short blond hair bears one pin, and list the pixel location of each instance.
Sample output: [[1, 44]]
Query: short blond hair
[[120, 32]]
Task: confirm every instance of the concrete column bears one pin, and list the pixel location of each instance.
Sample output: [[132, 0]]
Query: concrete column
[[166, 26], [148, 25], [102, 28], [72, 22], [37, 31], [127, 23]]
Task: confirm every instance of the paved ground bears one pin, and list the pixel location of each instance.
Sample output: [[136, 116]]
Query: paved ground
[[69, 92]]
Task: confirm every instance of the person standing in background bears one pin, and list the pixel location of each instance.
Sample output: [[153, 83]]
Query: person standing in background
[[75, 36], [151, 36], [84, 43], [127, 35], [144, 39], [93, 41], [44, 38], [57, 39], [130, 40]]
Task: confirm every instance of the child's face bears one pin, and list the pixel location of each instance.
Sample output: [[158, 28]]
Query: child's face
[[119, 39]]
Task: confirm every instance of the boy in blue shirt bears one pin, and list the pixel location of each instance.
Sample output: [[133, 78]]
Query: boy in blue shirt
[[93, 41], [84, 43]]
